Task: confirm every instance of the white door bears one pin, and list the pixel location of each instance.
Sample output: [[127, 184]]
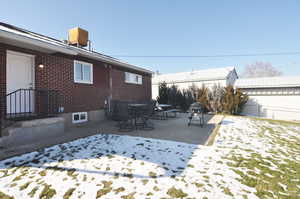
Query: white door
[[19, 75]]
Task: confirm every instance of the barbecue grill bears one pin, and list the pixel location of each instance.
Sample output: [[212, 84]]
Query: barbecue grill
[[196, 111]]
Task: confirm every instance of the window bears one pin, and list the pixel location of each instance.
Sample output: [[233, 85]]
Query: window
[[79, 117], [83, 72], [133, 78]]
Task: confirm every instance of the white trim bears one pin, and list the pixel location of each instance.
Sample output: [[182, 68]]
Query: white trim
[[140, 77], [19, 53], [79, 121], [32, 63], [91, 75], [35, 42], [111, 61], [63, 48]]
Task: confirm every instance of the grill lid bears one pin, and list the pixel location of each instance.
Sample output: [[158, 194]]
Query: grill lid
[[196, 107]]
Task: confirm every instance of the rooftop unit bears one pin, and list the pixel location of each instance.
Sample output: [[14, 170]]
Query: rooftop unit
[[78, 37]]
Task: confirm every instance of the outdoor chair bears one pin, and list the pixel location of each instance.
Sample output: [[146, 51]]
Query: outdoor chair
[[148, 112], [123, 116]]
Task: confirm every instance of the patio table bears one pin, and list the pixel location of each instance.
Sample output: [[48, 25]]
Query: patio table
[[163, 108], [137, 111]]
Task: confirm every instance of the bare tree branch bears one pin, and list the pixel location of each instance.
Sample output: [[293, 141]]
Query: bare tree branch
[[261, 69]]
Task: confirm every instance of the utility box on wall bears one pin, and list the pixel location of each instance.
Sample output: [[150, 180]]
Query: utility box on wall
[[78, 37]]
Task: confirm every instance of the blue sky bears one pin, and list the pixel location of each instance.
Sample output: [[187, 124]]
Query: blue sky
[[156, 27]]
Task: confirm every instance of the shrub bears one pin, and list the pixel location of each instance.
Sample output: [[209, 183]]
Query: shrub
[[186, 99], [233, 100], [215, 98], [174, 96], [163, 93], [202, 97], [219, 100]]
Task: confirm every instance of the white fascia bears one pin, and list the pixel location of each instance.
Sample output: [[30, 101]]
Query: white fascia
[[36, 42]]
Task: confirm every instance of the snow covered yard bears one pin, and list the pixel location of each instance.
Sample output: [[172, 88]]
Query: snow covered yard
[[249, 159]]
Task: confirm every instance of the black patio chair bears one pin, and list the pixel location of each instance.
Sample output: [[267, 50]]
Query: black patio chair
[[123, 117], [147, 114]]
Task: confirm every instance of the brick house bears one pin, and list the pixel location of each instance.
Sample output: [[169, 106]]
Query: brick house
[[85, 80]]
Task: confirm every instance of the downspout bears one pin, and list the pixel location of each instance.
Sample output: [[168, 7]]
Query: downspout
[[110, 87]]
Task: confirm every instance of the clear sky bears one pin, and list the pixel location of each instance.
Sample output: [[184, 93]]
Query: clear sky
[[177, 27]]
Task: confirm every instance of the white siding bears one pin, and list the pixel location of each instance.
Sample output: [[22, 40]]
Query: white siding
[[276, 106], [154, 91]]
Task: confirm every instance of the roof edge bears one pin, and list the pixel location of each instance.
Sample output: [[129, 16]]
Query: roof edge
[[66, 49]]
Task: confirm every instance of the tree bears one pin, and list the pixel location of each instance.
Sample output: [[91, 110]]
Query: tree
[[261, 69], [174, 96], [215, 97], [233, 100], [163, 92], [186, 99], [202, 97]]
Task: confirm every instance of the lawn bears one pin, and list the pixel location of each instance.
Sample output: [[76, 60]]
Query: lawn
[[249, 159]]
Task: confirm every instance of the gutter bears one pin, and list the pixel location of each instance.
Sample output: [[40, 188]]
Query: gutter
[[70, 50], [35, 42], [111, 61]]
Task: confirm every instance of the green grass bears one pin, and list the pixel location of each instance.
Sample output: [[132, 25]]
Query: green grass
[[129, 196], [105, 190], [4, 196], [33, 191], [68, 194], [271, 121], [176, 193], [24, 186], [47, 192], [275, 175]]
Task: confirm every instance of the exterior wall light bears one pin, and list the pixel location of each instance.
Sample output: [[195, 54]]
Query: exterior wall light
[[41, 66]]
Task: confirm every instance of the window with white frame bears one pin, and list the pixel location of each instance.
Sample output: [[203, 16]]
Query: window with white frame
[[83, 72], [79, 117], [133, 78]]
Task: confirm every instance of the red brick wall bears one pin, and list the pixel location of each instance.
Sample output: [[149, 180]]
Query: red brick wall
[[131, 92], [58, 74], [2, 77]]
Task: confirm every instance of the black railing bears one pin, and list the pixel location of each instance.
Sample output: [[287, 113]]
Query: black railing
[[27, 104]]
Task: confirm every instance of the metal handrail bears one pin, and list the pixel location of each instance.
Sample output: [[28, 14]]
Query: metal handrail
[[26, 104]]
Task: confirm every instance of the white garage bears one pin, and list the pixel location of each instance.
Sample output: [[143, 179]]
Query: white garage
[[272, 97]]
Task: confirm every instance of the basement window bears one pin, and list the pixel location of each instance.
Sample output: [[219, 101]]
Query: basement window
[[79, 117], [133, 78], [83, 72]]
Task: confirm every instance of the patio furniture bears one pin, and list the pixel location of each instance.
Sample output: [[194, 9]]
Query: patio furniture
[[148, 113], [123, 116], [164, 111], [141, 114], [196, 111]]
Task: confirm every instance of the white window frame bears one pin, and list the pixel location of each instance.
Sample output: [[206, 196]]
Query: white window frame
[[80, 120], [132, 77], [91, 75]]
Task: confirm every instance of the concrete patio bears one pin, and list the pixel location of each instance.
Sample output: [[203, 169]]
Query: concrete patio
[[177, 129], [174, 129]]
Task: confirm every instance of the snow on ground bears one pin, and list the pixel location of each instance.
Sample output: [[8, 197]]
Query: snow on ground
[[250, 159]]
